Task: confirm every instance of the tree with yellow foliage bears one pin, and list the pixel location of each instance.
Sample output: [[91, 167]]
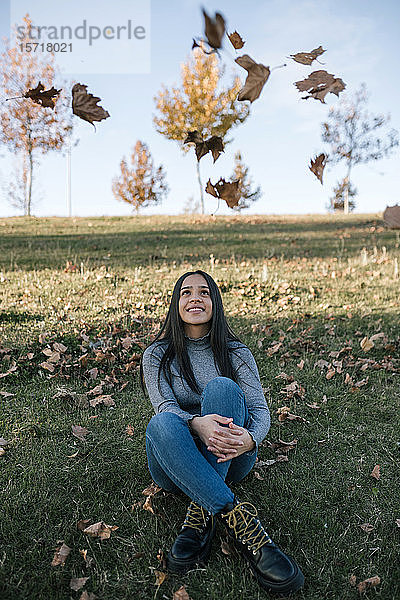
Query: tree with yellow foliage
[[140, 183], [200, 103], [26, 128]]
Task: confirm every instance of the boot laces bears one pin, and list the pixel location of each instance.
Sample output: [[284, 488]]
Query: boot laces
[[246, 527], [196, 517]]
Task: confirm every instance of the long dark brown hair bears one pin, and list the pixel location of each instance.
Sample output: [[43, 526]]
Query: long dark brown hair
[[173, 334]]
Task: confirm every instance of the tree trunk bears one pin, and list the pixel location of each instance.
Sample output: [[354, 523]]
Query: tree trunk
[[346, 193], [201, 188], [28, 197]]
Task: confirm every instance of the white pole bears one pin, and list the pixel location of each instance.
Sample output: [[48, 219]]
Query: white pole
[[69, 206]]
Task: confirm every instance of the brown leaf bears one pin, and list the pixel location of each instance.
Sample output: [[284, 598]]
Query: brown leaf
[[236, 40], [256, 79], [306, 58], [41, 96], [82, 524], [375, 473], [130, 430], [367, 583], [228, 191], [397, 522], [214, 29], [60, 555], [331, 373], [367, 527], [352, 580], [317, 165], [160, 577], [79, 432], [100, 530], [391, 217], [58, 347], [77, 583], [300, 365], [214, 144], [106, 399], [93, 373], [85, 105], [148, 505], [127, 343], [151, 490], [48, 366], [87, 596], [181, 594], [319, 84], [281, 447], [366, 344]]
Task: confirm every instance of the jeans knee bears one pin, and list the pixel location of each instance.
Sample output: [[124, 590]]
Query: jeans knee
[[162, 424], [223, 384]]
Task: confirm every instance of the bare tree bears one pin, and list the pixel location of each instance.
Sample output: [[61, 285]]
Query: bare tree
[[140, 183], [200, 103], [354, 135]]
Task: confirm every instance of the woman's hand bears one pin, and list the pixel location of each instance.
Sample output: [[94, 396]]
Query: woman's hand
[[222, 442]]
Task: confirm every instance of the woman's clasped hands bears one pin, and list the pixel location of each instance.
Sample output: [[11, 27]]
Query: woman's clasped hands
[[224, 442]]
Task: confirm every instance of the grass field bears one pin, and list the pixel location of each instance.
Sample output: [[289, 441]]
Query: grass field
[[81, 298]]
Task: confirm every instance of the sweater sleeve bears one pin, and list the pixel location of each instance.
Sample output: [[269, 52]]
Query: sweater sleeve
[[248, 378], [166, 400]]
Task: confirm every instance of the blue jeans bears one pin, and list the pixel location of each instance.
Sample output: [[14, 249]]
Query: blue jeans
[[179, 461]]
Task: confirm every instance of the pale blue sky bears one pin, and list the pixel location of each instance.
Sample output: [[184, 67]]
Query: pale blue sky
[[280, 136]]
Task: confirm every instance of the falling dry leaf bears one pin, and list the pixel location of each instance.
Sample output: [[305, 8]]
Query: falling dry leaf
[[367, 583], [41, 96], [214, 29], [236, 40], [375, 473], [228, 191], [319, 84], [100, 530], [317, 165], [77, 583], [214, 144], [306, 58], [256, 79], [85, 105], [60, 555], [79, 432]]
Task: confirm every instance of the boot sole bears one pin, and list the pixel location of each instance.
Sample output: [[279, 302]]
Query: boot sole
[[180, 567]]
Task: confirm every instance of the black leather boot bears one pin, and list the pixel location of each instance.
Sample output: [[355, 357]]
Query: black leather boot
[[193, 544], [274, 570]]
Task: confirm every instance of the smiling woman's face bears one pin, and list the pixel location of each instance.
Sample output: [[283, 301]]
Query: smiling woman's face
[[195, 305]]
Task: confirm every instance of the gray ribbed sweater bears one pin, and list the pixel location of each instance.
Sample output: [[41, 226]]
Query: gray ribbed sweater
[[181, 400]]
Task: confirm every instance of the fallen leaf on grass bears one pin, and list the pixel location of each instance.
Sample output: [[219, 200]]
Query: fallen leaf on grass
[[281, 447], [12, 369], [151, 490], [313, 405], [367, 527], [300, 364], [353, 580], [6, 394], [88, 559], [366, 344], [48, 366], [82, 524], [77, 583], [284, 414], [87, 596], [2, 452], [397, 522], [106, 399], [60, 555], [100, 530], [130, 430], [160, 577], [148, 505], [226, 547], [375, 473], [367, 583], [96, 391], [79, 432]]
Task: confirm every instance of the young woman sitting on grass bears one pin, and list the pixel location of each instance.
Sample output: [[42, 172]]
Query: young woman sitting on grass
[[211, 416]]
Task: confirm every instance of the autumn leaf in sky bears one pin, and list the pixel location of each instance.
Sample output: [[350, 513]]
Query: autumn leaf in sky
[[236, 40], [306, 58], [85, 105], [214, 144], [214, 29], [41, 96], [225, 190], [256, 79], [317, 165], [319, 84]]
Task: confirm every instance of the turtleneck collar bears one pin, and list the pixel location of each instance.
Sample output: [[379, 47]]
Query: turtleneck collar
[[199, 342]]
